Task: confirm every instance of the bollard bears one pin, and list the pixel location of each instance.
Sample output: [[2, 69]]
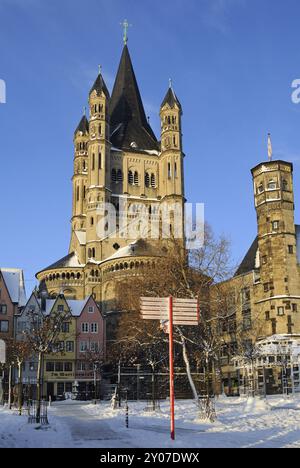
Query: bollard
[[127, 412]]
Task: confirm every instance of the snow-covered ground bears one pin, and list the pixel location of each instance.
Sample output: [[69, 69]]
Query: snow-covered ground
[[241, 423]]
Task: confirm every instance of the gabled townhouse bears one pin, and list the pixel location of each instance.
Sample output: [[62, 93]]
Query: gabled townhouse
[[22, 325], [12, 297], [70, 367], [91, 346], [59, 366]]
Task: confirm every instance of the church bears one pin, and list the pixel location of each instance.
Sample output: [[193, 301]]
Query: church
[[118, 162]]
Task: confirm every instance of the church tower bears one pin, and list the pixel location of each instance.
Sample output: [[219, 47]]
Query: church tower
[[279, 283], [171, 163], [98, 190]]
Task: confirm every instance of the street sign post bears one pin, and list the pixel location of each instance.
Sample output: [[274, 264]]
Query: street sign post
[[171, 311]]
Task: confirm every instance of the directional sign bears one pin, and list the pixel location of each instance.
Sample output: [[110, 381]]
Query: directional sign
[[2, 352], [171, 311], [185, 311]]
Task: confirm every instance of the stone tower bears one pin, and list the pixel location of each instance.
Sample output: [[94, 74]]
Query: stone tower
[[119, 161], [278, 282]]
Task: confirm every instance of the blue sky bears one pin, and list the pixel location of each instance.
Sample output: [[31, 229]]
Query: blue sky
[[232, 64]]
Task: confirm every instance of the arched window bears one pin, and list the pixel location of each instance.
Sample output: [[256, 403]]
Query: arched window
[[77, 193], [89, 253], [175, 170], [84, 191], [92, 221], [99, 161], [93, 161], [147, 180], [169, 171], [169, 120], [136, 178], [114, 175], [100, 129], [119, 176], [130, 178], [153, 181], [174, 141], [93, 253]]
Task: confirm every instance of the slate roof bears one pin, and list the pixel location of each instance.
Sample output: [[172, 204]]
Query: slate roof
[[171, 99], [83, 126], [248, 263], [70, 260], [14, 280], [128, 119], [100, 86]]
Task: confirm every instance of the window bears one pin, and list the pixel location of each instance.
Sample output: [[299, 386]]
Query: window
[[70, 346], [4, 326], [280, 311], [169, 171], [175, 170], [3, 309], [93, 162], [119, 176], [99, 158], [94, 347], [147, 180], [260, 188], [61, 346], [285, 185], [68, 366], [295, 307], [85, 327], [94, 327], [130, 178], [136, 178], [49, 366], [59, 367], [291, 249], [60, 308], [84, 346], [114, 175], [153, 181], [247, 323], [275, 225], [272, 185], [60, 388], [68, 387], [267, 315], [65, 328], [264, 259], [92, 221], [91, 309], [246, 295]]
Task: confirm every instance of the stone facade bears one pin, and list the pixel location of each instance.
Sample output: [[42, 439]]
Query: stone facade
[[119, 161]]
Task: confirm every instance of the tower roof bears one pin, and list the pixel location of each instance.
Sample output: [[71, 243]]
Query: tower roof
[[100, 86], [171, 99], [129, 125], [83, 126]]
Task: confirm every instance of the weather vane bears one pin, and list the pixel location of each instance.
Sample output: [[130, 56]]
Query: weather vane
[[126, 26]]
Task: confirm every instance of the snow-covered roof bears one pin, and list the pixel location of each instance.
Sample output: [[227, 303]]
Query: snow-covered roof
[[14, 280], [135, 249], [77, 307]]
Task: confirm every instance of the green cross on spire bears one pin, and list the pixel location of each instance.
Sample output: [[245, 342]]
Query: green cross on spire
[[126, 26]]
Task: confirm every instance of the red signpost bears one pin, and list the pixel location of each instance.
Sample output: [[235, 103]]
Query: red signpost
[[176, 312]]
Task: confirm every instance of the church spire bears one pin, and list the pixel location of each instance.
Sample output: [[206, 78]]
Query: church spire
[[129, 123], [100, 85], [171, 99]]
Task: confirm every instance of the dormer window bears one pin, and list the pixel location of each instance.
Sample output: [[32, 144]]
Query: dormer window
[[260, 188], [272, 185]]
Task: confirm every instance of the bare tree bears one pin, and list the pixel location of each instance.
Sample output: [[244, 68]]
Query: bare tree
[[17, 353], [179, 274], [42, 335]]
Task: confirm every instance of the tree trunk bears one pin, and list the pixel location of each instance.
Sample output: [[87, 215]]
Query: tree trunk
[[38, 388], [20, 388], [188, 367], [9, 386]]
